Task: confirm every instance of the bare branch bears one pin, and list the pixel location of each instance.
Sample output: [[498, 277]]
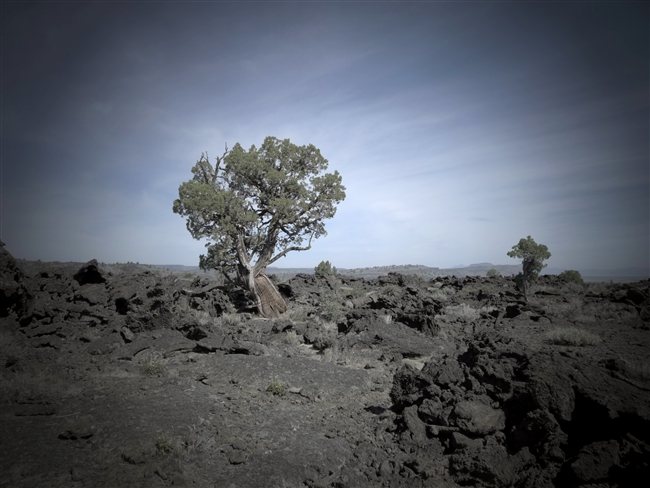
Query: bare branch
[[242, 255], [216, 166], [227, 276], [289, 249]]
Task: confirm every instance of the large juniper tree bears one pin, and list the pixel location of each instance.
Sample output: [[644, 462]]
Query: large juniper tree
[[256, 206]]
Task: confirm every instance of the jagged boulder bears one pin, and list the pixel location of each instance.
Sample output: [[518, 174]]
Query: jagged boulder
[[14, 293], [90, 273], [507, 415], [372, 327], [478, 419]]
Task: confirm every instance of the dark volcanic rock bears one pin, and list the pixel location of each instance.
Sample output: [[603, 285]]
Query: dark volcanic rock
[[594, 461], [90, 273], [478, 419], [15, 295], [552, 415], [375, 329], [146, 379]]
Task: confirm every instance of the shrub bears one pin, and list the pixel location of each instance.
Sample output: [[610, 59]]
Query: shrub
[[277, 388], [229, 320], [572, 288], [325, 268], [330, 310], [572, 276], [350, 292], [203, 318], [336, 355], [165, 445], [391, 290], [153, 365], [200, 439], [572, 336], [572, 309], [465, 311], [492, 273], [290, 337], [462, 311], [442, 294]]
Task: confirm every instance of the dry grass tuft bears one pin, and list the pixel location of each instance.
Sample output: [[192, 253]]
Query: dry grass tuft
[[290, 337], [228, 320], [441, 294], [330, 310], [465, 311], [572, 336], [153, 364]]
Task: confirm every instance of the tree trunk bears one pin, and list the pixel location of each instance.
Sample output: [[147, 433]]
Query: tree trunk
[[271, 303], [268, 300], [526, 290]]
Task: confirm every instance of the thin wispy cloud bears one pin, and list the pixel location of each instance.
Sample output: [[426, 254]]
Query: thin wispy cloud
[[458, 129]]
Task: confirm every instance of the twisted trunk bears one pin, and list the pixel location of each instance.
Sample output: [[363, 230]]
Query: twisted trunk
[[268, 300]]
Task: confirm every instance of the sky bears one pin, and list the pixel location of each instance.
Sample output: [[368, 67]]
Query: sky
[[458, 127]]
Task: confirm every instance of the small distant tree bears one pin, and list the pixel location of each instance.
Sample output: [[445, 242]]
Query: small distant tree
[[256, 206], [572, 275], [492, 273], [325, 268], [533, 255]]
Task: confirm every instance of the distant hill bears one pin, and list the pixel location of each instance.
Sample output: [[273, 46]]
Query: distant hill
[[477, 269]]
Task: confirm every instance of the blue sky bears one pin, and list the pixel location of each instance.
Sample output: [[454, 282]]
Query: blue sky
[[458, 128]]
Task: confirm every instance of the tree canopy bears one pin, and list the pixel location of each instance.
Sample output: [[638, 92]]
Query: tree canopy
[[533, 255], [256, 206]]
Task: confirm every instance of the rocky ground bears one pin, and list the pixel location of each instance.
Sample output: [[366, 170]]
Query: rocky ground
[[139, 379]]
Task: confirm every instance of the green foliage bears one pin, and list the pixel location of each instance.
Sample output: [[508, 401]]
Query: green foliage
[[533, 255], [165, 445], [330, 310], [324, 268], [572, 276], [492, 273], [251, 203], [350, 292], [277, 388], [519, 281], [442, 294], [153, 365]]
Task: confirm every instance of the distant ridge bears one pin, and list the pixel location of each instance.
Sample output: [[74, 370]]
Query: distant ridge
[[477, 269]]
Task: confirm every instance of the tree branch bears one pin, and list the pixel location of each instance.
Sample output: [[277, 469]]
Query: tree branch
[[242, 255], [289, 249], [216, 166]]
